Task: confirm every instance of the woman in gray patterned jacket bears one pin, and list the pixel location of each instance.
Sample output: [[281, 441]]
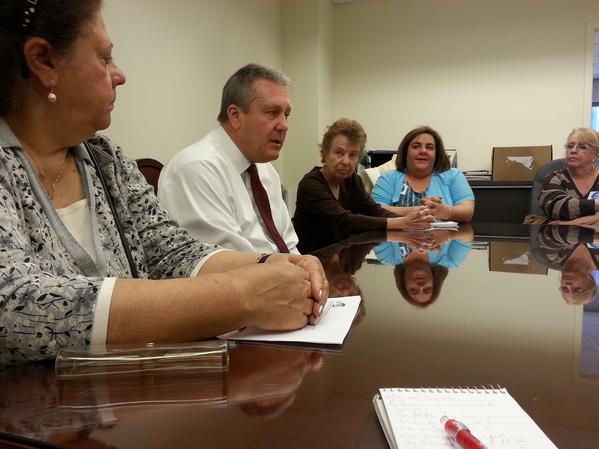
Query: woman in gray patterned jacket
[[78, 222]]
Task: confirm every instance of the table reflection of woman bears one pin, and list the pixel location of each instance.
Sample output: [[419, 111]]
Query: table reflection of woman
[[424, 176], [572, 194], [261, 381], [342, 281], [574, 251], [332, 203], [342, 260], [422, 260]]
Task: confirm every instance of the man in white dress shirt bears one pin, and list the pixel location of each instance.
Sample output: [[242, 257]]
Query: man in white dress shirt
[[206, 187]]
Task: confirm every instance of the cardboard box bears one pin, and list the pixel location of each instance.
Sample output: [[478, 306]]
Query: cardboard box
[[519, 163], [514, 257]]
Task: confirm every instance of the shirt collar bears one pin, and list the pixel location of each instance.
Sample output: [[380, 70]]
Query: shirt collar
[[94, 145], [232, 151], [7, 137]]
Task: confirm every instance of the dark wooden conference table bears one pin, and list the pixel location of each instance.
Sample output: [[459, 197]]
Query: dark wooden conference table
[[499, 320]]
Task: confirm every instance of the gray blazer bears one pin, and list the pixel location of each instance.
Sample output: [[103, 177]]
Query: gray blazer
[[48, 283]]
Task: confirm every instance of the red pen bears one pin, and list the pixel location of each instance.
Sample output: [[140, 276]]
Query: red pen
[[459, 435]]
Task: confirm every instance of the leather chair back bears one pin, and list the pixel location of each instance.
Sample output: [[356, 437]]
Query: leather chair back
[[537, 183], [151, 169]]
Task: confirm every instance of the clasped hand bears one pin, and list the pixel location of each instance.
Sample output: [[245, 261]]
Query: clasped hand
[[439, 209], [289, 292]]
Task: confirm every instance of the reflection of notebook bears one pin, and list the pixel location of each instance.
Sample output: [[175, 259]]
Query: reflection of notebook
[[411, 418]]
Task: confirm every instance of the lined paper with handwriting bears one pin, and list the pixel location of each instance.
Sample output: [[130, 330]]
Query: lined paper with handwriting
[[411, 418]]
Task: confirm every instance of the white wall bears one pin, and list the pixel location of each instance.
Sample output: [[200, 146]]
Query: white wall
[[308, 61], [484, 73], [177, 55]]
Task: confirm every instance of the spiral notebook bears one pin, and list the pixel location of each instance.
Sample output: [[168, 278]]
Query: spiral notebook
[[411, 418]]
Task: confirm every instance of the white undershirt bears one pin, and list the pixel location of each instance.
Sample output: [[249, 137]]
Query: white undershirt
[[76, 219]]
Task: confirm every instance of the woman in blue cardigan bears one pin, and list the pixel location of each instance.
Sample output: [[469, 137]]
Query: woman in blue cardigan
[[424, 177]]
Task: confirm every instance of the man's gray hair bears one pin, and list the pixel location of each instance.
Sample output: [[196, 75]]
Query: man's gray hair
[[239, 89]]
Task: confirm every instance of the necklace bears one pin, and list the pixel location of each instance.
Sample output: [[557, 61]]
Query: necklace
[[49, 186]]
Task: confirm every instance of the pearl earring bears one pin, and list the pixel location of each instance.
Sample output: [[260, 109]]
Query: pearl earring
[[52, 95]]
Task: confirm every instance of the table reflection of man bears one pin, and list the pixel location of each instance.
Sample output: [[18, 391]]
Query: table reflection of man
[[262, 380], [422, 260], [574, 251]]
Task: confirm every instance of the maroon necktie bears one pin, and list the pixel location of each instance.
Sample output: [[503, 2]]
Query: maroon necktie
[[261, 200]]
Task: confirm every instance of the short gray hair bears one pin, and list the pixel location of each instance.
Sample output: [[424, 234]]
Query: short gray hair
[[588, 135], [239, 89]]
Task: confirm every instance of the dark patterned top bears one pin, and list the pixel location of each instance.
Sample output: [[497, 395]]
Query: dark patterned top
[[47, 299], [320, 219], [410, 197], [560, 199]]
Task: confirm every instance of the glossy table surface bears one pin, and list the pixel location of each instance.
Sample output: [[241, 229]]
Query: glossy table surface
[[499, 320]]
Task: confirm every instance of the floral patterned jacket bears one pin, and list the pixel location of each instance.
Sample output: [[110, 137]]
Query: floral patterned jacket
[[47, 297]]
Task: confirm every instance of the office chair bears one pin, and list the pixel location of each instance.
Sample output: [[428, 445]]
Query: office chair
[[537, 182], [370, 175], [151, 169]]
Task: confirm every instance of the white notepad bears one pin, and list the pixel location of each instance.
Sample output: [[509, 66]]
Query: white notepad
[[443, 224], [335, 322], [411, 418], [438, 225]]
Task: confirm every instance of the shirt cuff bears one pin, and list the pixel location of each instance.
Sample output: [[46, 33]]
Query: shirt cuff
[[101, 313], [102, 310], [201, 263]]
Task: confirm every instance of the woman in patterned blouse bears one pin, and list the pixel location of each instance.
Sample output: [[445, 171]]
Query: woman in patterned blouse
[[66, 268], [571, 195]]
